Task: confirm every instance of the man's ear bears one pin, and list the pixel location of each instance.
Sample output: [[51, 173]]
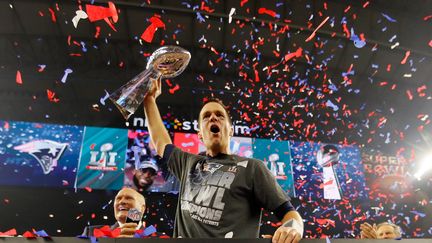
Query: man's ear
[[200, 136], [231, 131]]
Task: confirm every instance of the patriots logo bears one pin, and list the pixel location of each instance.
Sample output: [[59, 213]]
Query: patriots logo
[[46, 152], [203, 171], [211, 167]]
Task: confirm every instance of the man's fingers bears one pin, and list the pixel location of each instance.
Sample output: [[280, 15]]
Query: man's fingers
[[129, 225], [127, 231], [368, 235], [288, 237], [276, 236], [366, 225], [291, 236], [266, 236], [297, 238], [363, 226], [125, 236]]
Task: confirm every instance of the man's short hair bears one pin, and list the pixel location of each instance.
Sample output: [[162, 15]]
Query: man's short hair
[[396, 228], [215, 100]]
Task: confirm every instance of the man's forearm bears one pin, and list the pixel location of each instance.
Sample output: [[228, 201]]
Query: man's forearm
[[158, 133]]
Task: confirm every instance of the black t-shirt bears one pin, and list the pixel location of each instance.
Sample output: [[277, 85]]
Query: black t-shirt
[[221, 196]]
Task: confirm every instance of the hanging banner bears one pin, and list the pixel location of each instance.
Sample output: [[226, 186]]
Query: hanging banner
[[102, 159], [328, 171], [38, 154], [386, 175], [277, 156]]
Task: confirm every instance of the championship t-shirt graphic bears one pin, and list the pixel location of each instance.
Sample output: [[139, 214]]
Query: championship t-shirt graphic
[[205, 189]]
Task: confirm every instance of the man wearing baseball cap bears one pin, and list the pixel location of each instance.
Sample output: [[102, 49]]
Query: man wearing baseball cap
[[144, 175]]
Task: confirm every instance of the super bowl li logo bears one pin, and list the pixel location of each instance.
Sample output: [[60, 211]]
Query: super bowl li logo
[[102, 159]]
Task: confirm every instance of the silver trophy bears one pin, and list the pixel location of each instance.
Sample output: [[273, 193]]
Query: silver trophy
[[328, 158], [165, 62]]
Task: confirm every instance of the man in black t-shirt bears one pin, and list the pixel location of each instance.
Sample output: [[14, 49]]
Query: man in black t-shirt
[[221, 194]]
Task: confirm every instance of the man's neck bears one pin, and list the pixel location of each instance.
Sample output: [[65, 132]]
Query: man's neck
[[215, 152]]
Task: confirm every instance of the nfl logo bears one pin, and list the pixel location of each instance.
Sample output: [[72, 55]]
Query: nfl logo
[[134, 215]]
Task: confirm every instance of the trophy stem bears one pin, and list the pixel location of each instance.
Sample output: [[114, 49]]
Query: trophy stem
[[130, 96]]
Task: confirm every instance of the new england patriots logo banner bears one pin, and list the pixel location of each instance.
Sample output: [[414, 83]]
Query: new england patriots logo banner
[[46, 152]]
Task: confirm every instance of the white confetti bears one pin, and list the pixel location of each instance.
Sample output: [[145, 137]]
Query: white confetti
[[79, 15], [232, 11]]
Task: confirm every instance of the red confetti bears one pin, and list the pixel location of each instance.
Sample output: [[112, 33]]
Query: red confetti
[[88, 189], [297, 53], [319, 26], [148, 34], [53, 17], [257, 79], [11, 232], [51, 96], [326, 222], [18, 78], [365, 4], [407, 53], [427, 17], [410, 96], [347, 9], [96, 13], [420, 90], [98, 28], [206, 8], [106, 231], [174, 89], [29, 234], [243, 2], [430, 43], [346, 31], [267, 11]]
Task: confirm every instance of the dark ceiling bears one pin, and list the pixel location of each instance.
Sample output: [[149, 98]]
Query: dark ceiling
[[332, 92]]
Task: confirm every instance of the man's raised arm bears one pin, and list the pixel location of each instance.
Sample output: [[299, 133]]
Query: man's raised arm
[[158, 133]]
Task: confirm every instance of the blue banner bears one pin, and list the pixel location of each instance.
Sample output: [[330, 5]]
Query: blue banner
[[38, 154], [277, 156], [312, 161], [102, 160]]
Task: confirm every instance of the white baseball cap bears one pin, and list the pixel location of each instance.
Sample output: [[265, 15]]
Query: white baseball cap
[[147, 164]]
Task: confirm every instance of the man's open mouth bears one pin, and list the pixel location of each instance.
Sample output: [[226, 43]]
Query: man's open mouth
[[214, 129], [123, 208]]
